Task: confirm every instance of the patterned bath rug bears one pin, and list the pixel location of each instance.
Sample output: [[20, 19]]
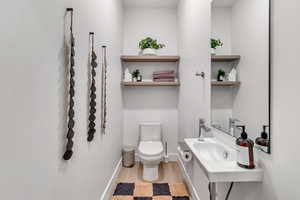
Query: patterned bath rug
[[151, 191]]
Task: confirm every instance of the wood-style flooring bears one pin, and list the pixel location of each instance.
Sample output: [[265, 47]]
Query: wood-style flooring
[[169, 186], [168, 173]]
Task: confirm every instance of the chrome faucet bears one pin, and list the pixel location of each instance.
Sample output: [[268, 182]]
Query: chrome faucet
[[204, 127], [232, 126]]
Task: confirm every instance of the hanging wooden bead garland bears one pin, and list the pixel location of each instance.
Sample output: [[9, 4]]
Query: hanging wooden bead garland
[[103, 91], [71, 113], [93, 103]]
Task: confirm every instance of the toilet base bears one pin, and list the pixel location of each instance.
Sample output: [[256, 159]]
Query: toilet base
[[150, 172]]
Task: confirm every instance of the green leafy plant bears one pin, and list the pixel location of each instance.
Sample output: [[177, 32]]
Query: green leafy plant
[[221, 72], [136, 73], [150, 43], [221, 75], [215, 43]]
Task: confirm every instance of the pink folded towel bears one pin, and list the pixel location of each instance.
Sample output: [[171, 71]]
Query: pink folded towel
[[164, 79], [164, 72], [164, 76]]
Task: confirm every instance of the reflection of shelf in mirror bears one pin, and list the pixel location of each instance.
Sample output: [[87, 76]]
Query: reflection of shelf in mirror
[[225, 58], [151, 83], [150, 58], [225, 83]]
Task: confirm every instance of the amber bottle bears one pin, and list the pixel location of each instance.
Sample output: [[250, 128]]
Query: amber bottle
[[245, 154], [263, 142]]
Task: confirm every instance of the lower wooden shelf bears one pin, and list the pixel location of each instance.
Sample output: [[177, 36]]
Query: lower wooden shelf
[[225, 58], [225, 83], [133, 84]]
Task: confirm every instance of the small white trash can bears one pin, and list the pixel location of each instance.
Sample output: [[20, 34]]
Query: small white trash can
[[128, 156]]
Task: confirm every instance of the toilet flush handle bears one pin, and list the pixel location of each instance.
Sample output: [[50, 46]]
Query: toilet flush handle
[[166, 152], [166, 148]]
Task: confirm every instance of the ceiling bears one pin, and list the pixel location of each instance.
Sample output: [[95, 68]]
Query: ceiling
[[223, 3], [151, 3]]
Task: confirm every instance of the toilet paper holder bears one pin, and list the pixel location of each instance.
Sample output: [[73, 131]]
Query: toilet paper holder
[[186, 155]]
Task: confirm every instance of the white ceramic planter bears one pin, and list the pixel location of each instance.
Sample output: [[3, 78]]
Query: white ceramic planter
[[213, 52], [149, 51], [134, 79]]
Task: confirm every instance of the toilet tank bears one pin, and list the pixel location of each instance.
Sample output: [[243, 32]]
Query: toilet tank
[[150, 131]]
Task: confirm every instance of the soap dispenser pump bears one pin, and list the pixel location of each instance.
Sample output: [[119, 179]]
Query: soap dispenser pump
[[245, 154], [263, 142]]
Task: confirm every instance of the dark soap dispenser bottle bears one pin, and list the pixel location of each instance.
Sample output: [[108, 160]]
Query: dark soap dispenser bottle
[[263, 142], [245, 154]]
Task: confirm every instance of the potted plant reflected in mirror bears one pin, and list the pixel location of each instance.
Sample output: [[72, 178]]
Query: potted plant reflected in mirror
[[150, 46], [221, 75], [136, 76], [214, 44]]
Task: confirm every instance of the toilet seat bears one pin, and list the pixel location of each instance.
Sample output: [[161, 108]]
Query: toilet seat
[[151, 148]]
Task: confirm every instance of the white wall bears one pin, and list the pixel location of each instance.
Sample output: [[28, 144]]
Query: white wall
[[250, 33], [194, 94], [158, 23], [245, 19], [193, 45], [221, 106], [221, 28], [150, 103], [33, 100], [282, 174], [222, 97]]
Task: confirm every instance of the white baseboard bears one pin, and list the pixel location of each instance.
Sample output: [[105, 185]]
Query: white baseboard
[[187, 179], [109, 189], [172, 157]]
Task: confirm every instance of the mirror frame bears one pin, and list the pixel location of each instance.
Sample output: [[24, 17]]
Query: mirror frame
[[270, 76]]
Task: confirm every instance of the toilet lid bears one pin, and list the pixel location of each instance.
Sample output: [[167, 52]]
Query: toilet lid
[[151, 148]]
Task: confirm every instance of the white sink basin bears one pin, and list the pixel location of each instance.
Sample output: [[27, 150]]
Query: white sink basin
[[213, 151], [219, 162]]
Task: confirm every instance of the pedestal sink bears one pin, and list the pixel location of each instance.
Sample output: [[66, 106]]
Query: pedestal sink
[[219, 161]]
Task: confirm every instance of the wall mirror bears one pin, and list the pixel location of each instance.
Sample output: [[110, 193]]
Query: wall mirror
[[240, 32]]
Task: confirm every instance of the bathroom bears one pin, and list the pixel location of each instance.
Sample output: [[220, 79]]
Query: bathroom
[[35, 98]]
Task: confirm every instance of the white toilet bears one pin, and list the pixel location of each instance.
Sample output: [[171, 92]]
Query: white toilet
[[150, 149]]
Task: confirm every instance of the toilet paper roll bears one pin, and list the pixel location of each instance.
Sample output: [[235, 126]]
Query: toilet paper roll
[[186, 156]]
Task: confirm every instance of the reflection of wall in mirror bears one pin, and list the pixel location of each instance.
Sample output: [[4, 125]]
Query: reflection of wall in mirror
[[221, 28], [222, 104], [222, 97], [243, 28], [250, 40]]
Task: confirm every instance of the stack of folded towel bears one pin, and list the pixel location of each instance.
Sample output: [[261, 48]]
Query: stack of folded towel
[[164, 76]]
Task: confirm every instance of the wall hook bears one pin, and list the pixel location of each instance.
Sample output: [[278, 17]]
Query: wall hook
[[202, 74]]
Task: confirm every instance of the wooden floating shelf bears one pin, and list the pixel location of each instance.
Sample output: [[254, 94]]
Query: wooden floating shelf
[[150, 58], [151, 84], [225, 58], [225, 83]]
